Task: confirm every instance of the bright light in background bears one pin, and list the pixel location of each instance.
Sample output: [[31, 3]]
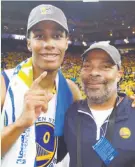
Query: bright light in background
[[123, 23], [84, 43], [69, 42], [126, 40], [111, 34]]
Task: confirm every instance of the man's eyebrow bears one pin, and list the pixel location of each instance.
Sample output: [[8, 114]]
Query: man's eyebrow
[[41, 30], [59, 28], [108, 61], [37, 30]]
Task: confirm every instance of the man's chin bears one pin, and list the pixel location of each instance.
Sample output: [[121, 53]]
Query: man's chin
[[97, 97], [51, 68], [95, 100]]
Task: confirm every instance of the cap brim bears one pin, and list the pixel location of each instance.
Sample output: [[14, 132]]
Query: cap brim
[[90, 49], [47, 19]]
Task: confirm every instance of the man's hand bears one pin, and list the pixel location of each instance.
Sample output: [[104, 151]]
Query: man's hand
[[35, 101], [133, 98]]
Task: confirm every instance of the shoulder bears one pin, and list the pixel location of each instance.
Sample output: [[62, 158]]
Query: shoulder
[[72, 110], [5, 79], [127, 102], [7, 74], [75, 90], [3, 90], [126, 107], [129, 105]]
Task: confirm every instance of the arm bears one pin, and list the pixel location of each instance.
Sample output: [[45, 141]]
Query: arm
[[3, 91], [75, 90], [35, 101], [10, 133], [133, 98]]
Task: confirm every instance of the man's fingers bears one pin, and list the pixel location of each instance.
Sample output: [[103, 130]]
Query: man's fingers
[[40, 98], [42, 105], [32, 100], [49, 97], [39, 104], [133, 98], [39, 79], [39, 95], [35, 92]]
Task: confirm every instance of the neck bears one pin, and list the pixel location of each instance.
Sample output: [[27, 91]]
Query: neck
[[104, 106], [47, 82]]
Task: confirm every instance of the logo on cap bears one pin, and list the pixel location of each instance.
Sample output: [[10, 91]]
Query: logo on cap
[[46, 10], [125, 133]]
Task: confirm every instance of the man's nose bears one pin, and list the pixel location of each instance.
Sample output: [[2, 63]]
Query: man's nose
[[94, 71], [49, 43]]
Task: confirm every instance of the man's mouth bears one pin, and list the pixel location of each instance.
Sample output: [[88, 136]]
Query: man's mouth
[[49, 57], [95, 84]]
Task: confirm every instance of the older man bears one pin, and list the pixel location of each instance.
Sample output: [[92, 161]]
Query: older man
[[100, 130]]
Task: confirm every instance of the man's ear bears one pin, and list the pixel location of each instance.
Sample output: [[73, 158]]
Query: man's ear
[[67, 42], [29, 45]]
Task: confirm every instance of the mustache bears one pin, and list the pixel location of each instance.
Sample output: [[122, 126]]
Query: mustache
[[96, 80]]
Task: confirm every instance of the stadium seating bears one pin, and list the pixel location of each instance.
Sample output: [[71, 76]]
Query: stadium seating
[[72, 65]]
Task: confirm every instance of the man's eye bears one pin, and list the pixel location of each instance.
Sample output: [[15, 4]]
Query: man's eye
[[57, 36], [106, 67], [86, 66], [40, 36]]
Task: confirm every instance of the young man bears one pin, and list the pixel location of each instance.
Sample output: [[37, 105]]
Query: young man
[[35, 95], [100, 130]]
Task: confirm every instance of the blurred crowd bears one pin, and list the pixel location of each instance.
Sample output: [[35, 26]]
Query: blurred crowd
[[72, 65]]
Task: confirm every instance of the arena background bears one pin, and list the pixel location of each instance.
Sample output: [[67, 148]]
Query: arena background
[[88, 22]]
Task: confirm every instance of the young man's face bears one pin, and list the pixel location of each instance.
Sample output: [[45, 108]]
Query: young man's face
[[99, 76], [48, 43]]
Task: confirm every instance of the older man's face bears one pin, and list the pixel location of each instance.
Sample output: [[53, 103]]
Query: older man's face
[[99, 76]]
